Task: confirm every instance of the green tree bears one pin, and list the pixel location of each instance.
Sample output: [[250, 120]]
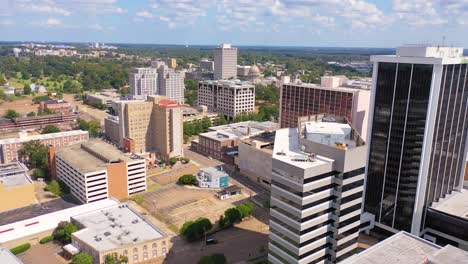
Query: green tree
[[93, 127], [213, 259], [194, 230], [41, 98], [82, 258], [245, 209], [72, 86], [50, 129], [233, 215], [54, 187], [35, 153], [63, 231], [269, 112], [27, 89], [32, 113], [206, 123], [222, 120], [187, 179], [11, 114], [3, 81], [173, 160], [222, 221], [115, 259]]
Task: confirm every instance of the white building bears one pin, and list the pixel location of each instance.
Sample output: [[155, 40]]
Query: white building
[[96, 170], [171, 84], [225, 62], [144, 82], [316, 193], [229, 98]]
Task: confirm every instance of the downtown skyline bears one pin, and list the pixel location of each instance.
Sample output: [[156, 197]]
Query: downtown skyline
[[347, 23]]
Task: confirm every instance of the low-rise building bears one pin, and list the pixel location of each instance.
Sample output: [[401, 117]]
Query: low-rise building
[[406, 248], [16, 187], [254, 159], [243, 71], [226, 97], [103, 98], [12, 125], [222, 140], [191, 114], [95, 170], [213, 177], [9, 147], [119, 230], [55, 105]]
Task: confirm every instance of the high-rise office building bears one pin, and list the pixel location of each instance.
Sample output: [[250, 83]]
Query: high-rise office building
[[317, 186], [335, 95], [225, 62], [143, 82], [418, 133], [229, 98], [171, 84], [147, 126]]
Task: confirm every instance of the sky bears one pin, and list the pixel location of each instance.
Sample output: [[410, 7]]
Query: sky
[[320, 23]]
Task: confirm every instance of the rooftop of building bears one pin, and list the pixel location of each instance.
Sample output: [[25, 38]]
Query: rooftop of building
[[424, 54], [44, 222], [334, 132], [455, 204], [338, 83], [212, 171], [94, 155], [264, 141], [106, 95], [114, 227], [6, 257], [240, 130], [230, 83], [58, 101], [25, 138], [14, 174], [404, 248]]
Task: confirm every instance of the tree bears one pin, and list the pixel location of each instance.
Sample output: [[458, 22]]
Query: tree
[[93, 127], [221, 221], [233, 215], [173, 161], [27, 89], [222, 120], [72, 86], [82, 258], [32, 113], [206, 123], [54, 187], [50, 129], [187, 179], [194, 230], [11, 114], [35, 153], [63, 231], [114, 259], [41, 98], [3, 81], [213, 259], [245, 209]]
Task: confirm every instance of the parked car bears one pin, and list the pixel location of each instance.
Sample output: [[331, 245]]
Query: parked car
[[210, 241]]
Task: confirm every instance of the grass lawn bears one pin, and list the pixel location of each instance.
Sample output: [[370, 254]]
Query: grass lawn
[[50, 85]]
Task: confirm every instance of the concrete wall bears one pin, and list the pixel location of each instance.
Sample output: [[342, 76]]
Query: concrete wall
[[15, 197], [255, 164]]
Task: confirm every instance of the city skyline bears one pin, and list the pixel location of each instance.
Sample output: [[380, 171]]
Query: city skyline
[[350, 23]]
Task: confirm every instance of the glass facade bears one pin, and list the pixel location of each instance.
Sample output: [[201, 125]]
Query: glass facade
[[401, 101], [297, 101]]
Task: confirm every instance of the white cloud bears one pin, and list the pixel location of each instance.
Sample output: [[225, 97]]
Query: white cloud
[[50, 22], [6, 22], [417, 12], [46, 9], [144, 14]]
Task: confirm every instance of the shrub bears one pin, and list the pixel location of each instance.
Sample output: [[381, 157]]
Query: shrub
[[20, 249], [54, 187], [187, 179], [173, 160], [10, 114], [213, 259], [221, 221], [50, 129], [82, 258], [39, 173], [233, 215], [138, 199], [63, 231], [47, 239], [194, 230]]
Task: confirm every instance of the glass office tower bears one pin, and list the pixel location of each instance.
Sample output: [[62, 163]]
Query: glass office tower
[[418, 133]]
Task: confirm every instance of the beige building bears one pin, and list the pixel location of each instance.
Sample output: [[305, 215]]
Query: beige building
[[120, 230], [225, 62], [171, 62], [147, 126], [254, 159], [16, 188]]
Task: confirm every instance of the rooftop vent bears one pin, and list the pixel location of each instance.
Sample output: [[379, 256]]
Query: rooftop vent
[[135, 221], [135, 239], [281, 153], [97, 238], [300, 158], [107, 233]]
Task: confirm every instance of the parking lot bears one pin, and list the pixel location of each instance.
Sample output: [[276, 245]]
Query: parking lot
[[43, 254]]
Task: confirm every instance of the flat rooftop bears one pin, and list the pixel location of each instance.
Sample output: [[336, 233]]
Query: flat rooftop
[[14, 174], [456, 204], [43, 137], [240, 130], [329, 133], [94, 155], [404, 248], [230, 83], [114, 227], [6, 257]]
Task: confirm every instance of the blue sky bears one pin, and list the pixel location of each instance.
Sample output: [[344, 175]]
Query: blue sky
[[338, 23]]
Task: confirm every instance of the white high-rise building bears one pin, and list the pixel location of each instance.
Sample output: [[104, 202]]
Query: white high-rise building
[[225, 62], [316, 191], [143, 82], [171, 84]]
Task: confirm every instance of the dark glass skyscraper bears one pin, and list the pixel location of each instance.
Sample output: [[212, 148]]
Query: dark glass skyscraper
[[417, 134]]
